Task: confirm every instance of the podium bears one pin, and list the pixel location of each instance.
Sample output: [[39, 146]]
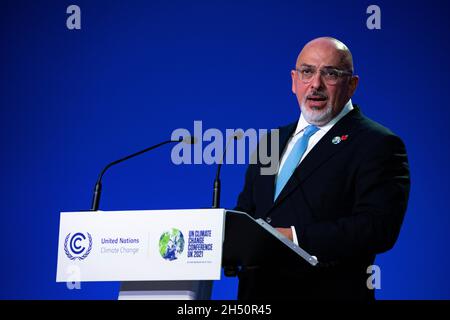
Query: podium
[[167, 254]]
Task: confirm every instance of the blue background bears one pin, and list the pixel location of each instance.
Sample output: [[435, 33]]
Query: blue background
[[72, 101]]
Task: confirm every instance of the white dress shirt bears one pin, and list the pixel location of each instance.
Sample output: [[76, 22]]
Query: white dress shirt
[[298, 133]]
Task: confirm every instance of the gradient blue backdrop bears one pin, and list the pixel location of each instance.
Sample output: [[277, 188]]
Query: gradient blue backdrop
[[71, 101]]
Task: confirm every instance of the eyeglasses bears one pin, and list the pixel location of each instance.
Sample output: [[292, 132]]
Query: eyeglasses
[[329, 75]]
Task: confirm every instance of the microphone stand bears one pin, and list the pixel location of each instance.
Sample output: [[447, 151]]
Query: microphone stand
[[229, 271], [217, 184], [98, 185]]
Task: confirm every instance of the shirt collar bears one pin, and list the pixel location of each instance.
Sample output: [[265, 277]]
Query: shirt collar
[[302, 123]]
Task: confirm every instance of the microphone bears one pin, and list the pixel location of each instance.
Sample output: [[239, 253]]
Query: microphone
[[98, 185], [229, 271], [216, 190]]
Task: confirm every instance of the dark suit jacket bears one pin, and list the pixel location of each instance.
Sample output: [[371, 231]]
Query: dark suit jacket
[[347, 202]]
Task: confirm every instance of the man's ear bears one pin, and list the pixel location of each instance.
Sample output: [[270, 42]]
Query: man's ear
[[293, 72], [353, 85]]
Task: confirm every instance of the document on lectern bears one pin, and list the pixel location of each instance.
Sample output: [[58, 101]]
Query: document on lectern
[[250, 242], [140, 245]]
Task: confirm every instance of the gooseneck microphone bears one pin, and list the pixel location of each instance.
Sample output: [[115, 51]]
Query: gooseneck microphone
[[98, 185], [217, 186]]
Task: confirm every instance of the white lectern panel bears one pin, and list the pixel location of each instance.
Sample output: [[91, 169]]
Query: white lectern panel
[[140, 245]]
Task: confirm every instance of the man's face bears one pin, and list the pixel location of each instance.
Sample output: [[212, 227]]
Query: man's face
[[319, 100]]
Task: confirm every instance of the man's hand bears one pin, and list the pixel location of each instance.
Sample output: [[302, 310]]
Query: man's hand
[[287, 232]]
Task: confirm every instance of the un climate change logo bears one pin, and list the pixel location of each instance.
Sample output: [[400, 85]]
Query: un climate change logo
[[171, 244], [75, 250]]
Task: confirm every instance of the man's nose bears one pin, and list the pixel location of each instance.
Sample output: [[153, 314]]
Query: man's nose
[[317, 81]]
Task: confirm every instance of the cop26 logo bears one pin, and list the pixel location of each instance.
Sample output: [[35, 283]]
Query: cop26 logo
[[171, 244], [76, 247]]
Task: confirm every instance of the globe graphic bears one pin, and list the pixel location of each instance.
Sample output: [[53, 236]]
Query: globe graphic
[[171, 244]]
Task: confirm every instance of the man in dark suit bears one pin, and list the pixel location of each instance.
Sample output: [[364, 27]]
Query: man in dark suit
[[341, 189]]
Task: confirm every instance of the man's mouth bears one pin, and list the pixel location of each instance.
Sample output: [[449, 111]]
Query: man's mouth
[[317, 101], [317, 98]]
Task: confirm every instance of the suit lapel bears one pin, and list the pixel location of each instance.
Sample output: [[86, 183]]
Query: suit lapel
[[267, 182], [322, 152]]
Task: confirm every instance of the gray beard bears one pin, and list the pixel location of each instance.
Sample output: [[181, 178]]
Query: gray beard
[[317, 117]]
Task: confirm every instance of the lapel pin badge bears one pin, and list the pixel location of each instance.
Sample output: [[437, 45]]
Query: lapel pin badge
[[337, 139]]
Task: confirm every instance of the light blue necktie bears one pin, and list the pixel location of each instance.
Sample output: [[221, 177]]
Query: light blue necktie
[[293, 159]]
